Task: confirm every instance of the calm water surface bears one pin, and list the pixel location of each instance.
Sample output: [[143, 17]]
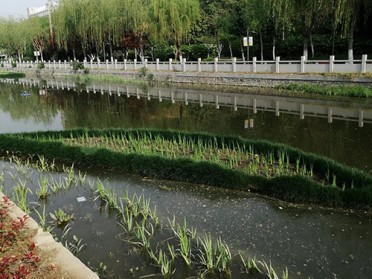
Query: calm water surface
[[321, 243]]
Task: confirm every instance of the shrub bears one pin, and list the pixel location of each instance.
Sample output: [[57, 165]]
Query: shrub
[[76, 65], [143, 72], [41, 65]]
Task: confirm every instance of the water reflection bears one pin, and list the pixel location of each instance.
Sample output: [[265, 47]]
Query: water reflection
[[327, 109], [338, 129]]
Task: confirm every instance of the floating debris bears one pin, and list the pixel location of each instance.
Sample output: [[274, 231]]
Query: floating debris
[[81, 199], [25, 94]]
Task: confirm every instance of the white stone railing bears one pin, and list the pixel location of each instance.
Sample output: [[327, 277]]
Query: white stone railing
[[234, 66]]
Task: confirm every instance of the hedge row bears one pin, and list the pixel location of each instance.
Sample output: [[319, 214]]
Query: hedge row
[[289, 188]]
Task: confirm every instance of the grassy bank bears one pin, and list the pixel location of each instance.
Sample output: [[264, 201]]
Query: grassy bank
[[332, 90], [89, 78], [229, 162], [6, 74]]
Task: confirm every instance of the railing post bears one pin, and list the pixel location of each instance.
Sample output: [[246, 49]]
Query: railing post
[[277, 65], [184, 65], [364, 64], [135, 64], [170, 64], [331, 63], [65, 64], [107, 64], [54, 64], [116, 64], [91, 63], [303, 59], [125, 64], [215, 65], [145, 63], [233, 65], [254, 65], [99, 63], [199, 65], [157, 64]]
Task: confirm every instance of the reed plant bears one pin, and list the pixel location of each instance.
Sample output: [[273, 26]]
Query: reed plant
[[20, 195], [184, 243], [193, 157], [43, 191]]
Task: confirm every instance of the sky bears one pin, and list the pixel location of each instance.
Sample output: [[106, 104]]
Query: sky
[[18, 8]]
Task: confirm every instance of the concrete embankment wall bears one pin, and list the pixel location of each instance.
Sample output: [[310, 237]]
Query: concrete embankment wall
[[223, 79], [68, 266]]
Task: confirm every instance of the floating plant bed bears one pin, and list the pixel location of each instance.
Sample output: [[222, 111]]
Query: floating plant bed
[[230, 162]]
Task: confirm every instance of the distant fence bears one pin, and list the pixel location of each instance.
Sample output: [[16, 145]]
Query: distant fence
[[233, 66]]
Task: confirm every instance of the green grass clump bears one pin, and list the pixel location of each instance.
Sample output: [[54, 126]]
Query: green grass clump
[[332, 90], [11, 75]]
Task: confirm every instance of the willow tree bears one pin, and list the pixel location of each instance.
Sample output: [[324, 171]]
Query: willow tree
[[173, 20], [354, 11], [136, 24], [14, 37], [39, 33], [309, 15], [278, 19], [6, 38], [67, 21]]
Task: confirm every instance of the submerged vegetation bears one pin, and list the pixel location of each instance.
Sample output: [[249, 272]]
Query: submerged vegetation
[[234, 163]]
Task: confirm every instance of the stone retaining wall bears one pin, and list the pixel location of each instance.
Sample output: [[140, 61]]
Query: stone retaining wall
[[223, 79]]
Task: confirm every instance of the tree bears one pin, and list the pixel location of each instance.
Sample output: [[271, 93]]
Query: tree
[[173, 20], [309, 15], [353, 12], [38, 32]]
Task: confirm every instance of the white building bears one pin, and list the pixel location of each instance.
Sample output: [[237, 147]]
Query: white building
[[43, 10]]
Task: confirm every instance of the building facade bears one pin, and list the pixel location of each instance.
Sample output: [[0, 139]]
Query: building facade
[[43, 10]]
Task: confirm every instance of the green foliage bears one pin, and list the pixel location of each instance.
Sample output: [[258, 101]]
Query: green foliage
[[11, 75], [143, 72], [76, 65], [194, 51], [41, 65]]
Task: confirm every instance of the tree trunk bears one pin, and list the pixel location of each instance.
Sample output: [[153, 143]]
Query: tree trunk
[[350, 51], [104, 51], [230, 49], [312, 48], [242, 50], [262, 47], [305, 47], [111, 54]]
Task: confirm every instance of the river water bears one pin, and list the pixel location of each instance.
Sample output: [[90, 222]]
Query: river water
[[311, 241]]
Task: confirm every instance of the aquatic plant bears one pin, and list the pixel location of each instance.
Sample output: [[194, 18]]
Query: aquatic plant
[[43, 191], [75, 245], [60, 218], [20, 196]]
